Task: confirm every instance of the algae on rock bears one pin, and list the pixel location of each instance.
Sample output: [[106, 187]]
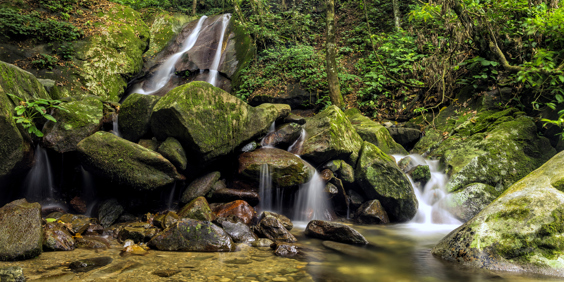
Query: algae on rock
[[374, 133]]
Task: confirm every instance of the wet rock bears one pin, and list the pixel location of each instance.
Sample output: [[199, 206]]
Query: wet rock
[[381, 179], [286, 169], [130, 248], [197, 209], [166, 272], [371, 212], [56, 237], [172, 150], [151, 144], [339, 198], [286, 222], [82, 118], [21, 233], [356, 200], [407, 137], [78, 205], [138, 232], [342, 170], [91, 229], [200, 187], [375, 133], [407, 164], [292, 118], [238, 208], [326, 175], [464, 204], [250, 147], [421, 173], [191, 235], [166, 220], [330, 135], [352, 251], [228, 195], [520, 231], [109, 211], [131, 165], [191, 111], [284, 136], [238, 230], [271, 228], [76, 221], [135, 115], [127, 217], [286, 251], [262, 242], [332, 231], [85, 265], [12, 274]]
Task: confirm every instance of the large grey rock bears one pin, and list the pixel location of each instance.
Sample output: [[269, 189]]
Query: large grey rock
[[189, 235], [271, 228], [21, 233]]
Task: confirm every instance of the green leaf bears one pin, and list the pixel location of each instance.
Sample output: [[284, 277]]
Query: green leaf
[[49, 117]]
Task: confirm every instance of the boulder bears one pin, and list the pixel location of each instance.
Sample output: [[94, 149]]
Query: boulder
[[138, 232], [227, 195], [330, 135], [271, 228], [189, 235], [405, 136], [519, 231], [197, 209], [165, 220], [109, 211], [76, 222], [191, 111], [200, 187], [371, 212], [286, 169], [333, 231], [21, 233], [151, 144], [342, 170], [135, 116], [380, 178], [238, 230], [284, 136], [56, 237], [238, 208], [465, 203], [374, 133], [126, 163], [172, 150], [421, 173], [286, 222]]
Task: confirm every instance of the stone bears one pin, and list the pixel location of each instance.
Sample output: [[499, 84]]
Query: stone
[[163, 29], [421, 173], [271, 228], [372, 212], [151, 144], [284, 136], [200, 187], [81, 119], [238, 230], [109, 211], [21, 233], [464, 204], [78, 204], [292, 118], [374, 133], [406, 137], [286, 222], [262, 243], [197, 209], [333, 231], [342, 170], [77, 221], [286, 251], [519, 231], [380, 178], [189, 235], [238, 208], [135, 116], [126, 163], [228, 195], [12, 274], [166, 220], [138, 232], [56, 237], [351, 251], [286, 169], [85, 265], [172, 150]]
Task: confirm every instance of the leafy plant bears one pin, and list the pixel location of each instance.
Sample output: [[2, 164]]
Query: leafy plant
[[45, 61], [29, 110], [17, 25]]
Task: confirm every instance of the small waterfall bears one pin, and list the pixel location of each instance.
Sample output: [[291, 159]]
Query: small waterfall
[[38, 184], [296, 148], [265, 189], [115, 127], [171, 196], [311, 201], [166, 70], [265, 142], [88, 191], [215, 64]]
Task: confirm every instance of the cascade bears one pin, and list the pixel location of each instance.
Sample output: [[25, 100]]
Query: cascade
[[38, 184], [311, 201], [215, 64], [265, 189], [265, 142], [296, 147], [115, 128]]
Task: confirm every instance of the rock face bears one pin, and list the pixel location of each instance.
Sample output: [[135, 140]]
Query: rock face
[[126, 163], [191, 111], [200, 187], [374, 133], [381, 179], [135, 116], [189, 235], [286, 169], [519, 231], [332, 231], [163, 28], [197, 209], [21, 233], [330, 135]]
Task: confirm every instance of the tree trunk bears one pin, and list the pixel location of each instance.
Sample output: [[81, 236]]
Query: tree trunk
[[194, 3], [332, 78], [395, 5]]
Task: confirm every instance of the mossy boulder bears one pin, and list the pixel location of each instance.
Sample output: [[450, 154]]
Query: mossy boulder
[[82, 118], [330, 135], [465, 203], [342, 170], [126, 163], [164, 27], [135, 116], [172, 150], [374, 133], [286, 169], [522, 230], [210, 122], [21, 233], [197, 209], [380, 178], [189, 235]]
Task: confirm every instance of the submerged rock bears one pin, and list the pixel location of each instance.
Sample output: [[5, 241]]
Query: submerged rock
[[135, 116], [197, 209], [12, 274], [239, 208], [189, 235], [371, 212], [56, 237], [85, 265], [352, 251], [374, 133], [519, 231], [332, 231], [126, 163], [21, 235], [200, 187]]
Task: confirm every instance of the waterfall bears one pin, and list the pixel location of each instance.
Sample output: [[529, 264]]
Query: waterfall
[[265, 188], [166, 70], [265, 142], [171, 196], [296, 148], [38, 184], [115, 127], [215, 64], [311, 201]]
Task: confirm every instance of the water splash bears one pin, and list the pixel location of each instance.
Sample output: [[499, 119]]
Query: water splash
[[312, 201], [296, 148], [215, 64], [38, 184]]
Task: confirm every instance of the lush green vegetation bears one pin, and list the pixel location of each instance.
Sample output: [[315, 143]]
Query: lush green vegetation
[[28, 111]]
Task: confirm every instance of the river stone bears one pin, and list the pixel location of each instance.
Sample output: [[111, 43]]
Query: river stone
[[464, 204], [56, 237], [191, 111], [286, 222], [262, 243], [271, 228], [12, 274], [520, 231], [238, 230], [238, 208], [126, 163], [343, 170], [228, 195], [21, 233], [284, 136], [172, 150], [380, 178], [371, 212], [200, 187], [85, 265], [135, 116], [189, 235], [197, 209], [333, 231], [138, 232], [77, 221], [330, 135], [286, 169], [109, 211], [166, 220], [286, 251], [374, 133]]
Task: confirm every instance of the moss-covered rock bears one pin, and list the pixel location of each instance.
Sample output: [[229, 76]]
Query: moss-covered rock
[[380, 178], [342, 170], [374, 133], [82, 118], [238, 54], [189, 235], [421, 173], [164, 27], [197, 209], [126, 163], [465, 203], [172, 150], [208, 121], [330, 135], [21, 233], [135, 116], [522, 230]]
